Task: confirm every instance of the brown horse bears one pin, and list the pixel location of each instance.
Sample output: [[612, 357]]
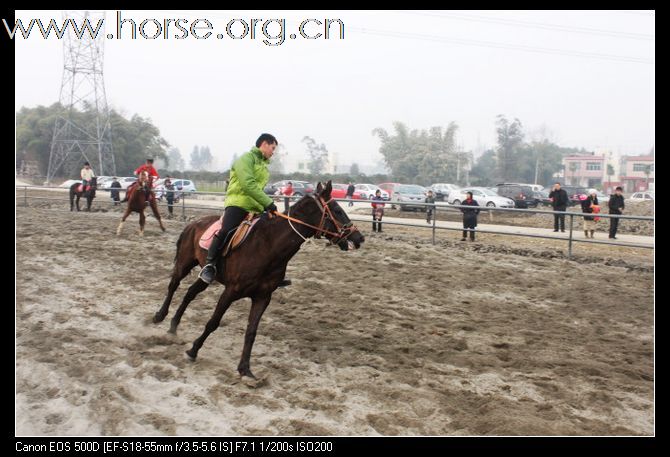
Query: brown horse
[[88, 193], [137, 202], [256, 268]]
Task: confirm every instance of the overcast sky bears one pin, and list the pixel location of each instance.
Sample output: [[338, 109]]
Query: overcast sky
[[588, 77]]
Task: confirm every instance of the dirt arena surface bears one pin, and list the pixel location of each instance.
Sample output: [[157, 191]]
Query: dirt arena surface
[[398, 338]]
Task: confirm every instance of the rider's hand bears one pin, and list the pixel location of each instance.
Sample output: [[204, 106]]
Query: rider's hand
[[271, 207]]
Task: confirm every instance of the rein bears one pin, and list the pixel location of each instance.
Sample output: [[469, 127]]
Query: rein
[[343, 230]]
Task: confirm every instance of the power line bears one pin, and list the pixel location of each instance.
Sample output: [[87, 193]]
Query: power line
[[540, 25], [493, 44]]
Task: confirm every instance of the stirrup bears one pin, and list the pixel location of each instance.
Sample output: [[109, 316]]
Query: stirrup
[[208, 280]]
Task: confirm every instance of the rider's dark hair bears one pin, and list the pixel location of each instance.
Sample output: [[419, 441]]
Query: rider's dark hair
[[150, 160], [269, 139]]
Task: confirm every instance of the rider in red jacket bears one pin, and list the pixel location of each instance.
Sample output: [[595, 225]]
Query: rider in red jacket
[[153, 175]]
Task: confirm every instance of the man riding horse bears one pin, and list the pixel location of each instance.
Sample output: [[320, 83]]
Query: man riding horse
[[248, 176], [152, 174]]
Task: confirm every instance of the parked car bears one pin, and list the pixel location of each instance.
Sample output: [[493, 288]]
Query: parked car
[[69, 183], [300, 188], [125, 182], [575, 193], [482, 195], [441, 191], [542, 197], [340, 191], [367, 191], [411, 193], [522, 195], [185, 185], [641, 196]]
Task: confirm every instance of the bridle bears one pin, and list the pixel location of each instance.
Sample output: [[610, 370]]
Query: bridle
[[343, 230]]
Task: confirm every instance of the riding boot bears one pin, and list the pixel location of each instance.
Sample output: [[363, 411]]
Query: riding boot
[[208, 272]]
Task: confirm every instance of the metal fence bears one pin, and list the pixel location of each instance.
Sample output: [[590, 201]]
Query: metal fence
[[183, 196]]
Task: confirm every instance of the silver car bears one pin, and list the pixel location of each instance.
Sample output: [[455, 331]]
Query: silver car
[[483, 196], [407, 194]]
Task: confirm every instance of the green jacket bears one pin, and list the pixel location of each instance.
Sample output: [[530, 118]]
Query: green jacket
[[248, 177]]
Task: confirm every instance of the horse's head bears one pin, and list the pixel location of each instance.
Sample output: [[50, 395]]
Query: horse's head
[[340, 230], [93, 182], [143, 177]]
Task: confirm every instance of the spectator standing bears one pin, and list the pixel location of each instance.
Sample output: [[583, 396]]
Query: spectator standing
[[469, 216], [616, 206], [559, 202], [377, 211]]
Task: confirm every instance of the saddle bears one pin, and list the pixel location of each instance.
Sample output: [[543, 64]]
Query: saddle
[[240, 235], [80, 188]]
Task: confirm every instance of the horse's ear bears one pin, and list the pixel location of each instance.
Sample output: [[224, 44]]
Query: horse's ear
[[328, 190], [319, 188]]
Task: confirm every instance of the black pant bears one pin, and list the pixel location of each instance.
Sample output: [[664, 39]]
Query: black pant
[[350, 197], [559, 218], [170, 201], [376, 222], [469, 223], [429, 213], [286, 203], [232, 217], [614, 226]]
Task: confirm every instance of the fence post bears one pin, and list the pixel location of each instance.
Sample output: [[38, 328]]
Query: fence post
[[183, 206], [572, 218], [25, 196], [434, 220]]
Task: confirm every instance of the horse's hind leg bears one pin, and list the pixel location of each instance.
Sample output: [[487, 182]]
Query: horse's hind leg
[[71, 201], [78, 197], [123, 219], [258, 306], [225, 300], [198, 286], [154, 208], [179, 273]]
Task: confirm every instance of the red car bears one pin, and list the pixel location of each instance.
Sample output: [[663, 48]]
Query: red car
[[340, 191]]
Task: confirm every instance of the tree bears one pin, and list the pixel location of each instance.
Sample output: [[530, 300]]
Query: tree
[[510, 139], [175, 160], [425, 156], [318, 154], [483, 172], [195, 158], [573, 168], [647, 172], [133, 140], [610, 172], [206, 159], [354, 170]]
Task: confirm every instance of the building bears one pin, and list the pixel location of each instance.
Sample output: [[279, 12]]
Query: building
[[584, 170], [637, 173], [607, 171]]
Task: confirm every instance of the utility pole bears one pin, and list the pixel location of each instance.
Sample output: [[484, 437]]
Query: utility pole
[[82, 92]]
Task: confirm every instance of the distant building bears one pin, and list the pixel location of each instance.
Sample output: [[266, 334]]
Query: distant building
[[591, 171], [634, 177], [584, 170]]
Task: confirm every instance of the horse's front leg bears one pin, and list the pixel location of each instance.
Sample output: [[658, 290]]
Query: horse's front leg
[[258, 306], [227, 297], [123, 219], [143, 220], [77, 202]]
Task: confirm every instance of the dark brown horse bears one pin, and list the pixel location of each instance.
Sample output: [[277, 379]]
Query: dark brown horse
[[256, 268], [137, 202], [88, 194]]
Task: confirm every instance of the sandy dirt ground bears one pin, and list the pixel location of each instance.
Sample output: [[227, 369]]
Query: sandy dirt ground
[[398, 338]]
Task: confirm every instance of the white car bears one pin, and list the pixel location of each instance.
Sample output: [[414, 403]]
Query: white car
[[641, 196], [483, 196], [369, 190]]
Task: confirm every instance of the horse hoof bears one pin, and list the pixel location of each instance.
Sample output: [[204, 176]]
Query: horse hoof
[[158, 318], [191, 355], [173, 330], [251, 381]]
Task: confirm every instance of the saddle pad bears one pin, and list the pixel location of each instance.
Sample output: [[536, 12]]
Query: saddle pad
[[206, 238], [241, 234]]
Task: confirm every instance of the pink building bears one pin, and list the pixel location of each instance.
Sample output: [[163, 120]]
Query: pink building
[[636, 172], [586, 171]]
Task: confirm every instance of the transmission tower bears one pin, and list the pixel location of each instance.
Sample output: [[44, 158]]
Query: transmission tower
[[82, 127]]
